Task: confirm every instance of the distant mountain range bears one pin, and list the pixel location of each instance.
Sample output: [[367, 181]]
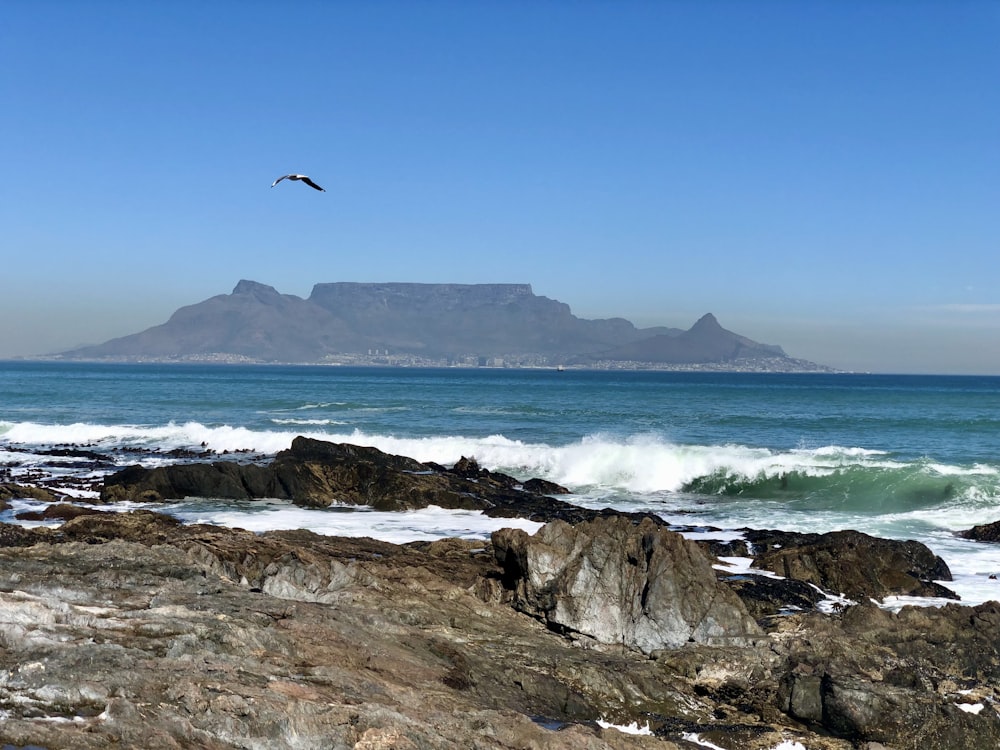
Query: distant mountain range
[[427, 324]]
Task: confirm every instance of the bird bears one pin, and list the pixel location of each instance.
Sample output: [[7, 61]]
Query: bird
[[302, 177]]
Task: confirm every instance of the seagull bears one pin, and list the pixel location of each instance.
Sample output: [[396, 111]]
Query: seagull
[[302, 177]]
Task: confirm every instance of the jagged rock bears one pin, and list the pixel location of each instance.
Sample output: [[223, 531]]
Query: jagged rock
[[643, 587], [853, 564]]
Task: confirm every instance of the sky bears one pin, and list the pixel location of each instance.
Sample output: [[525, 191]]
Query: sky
[[820, 175]]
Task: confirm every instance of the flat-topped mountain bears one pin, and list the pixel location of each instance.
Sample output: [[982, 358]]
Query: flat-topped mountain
[[418, 324]]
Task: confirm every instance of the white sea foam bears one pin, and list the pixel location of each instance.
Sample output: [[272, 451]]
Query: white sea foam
[[697, 739], [632, 728], [398, 527], [971, 708], [313, 422]]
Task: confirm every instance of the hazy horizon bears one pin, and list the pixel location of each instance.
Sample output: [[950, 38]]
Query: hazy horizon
[[822, 176]]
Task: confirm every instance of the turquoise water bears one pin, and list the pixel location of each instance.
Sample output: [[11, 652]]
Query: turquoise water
[[900, 456]]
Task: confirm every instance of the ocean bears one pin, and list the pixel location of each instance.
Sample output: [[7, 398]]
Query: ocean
[[902, 457]]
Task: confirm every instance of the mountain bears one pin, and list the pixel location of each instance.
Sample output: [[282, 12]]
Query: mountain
[[349, 322], [705, 342]]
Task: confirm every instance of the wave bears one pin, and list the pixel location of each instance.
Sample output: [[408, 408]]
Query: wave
[[858, 488], [829, 477], [315, 422]]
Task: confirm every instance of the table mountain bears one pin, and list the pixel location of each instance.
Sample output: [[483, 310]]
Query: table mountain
[[431, 323]]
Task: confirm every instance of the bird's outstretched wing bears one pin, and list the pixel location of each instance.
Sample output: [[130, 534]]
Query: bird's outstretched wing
[[280, 179], [312, 184]]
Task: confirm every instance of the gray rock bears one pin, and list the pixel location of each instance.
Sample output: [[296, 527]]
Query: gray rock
[[643, 587]]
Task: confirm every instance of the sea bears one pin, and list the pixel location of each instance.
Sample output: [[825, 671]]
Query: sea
[[895, 456]]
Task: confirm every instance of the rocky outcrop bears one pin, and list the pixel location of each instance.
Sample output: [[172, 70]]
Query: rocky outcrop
[[643, 587], [132, 630], [852, 564], [316, 473]]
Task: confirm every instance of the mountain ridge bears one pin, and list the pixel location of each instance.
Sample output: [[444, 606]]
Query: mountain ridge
[[415, 323]]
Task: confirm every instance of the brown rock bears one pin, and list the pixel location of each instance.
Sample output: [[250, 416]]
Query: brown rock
[[855, 565]]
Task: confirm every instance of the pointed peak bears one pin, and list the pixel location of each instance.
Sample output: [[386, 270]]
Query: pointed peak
[[706, 322]]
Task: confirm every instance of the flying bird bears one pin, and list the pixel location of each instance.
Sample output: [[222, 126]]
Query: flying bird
[[302, 177]]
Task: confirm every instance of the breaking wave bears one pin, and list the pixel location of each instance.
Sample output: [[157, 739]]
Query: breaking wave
[[830, 477]]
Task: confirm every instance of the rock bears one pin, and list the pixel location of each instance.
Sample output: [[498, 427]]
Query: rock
[[60, 511], [132, 629], [640, 586], [316, 473], [220, 479], [11, 491], [853, 564], [544, 487], [987, 532], [766, 597], [872, 676]]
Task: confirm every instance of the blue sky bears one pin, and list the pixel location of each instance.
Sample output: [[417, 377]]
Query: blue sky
[[820, 175]]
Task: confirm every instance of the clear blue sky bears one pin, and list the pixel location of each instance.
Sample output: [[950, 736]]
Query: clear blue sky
[[820, 175]]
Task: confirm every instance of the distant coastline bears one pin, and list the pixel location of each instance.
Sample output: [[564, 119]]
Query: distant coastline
[[759, 365]]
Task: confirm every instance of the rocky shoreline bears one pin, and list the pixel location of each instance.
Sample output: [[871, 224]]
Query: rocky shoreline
[[124, 629]]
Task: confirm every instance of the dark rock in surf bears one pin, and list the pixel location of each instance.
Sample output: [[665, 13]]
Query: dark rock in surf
[[221, 479], [853, 564], [987, 532], [12, 491], [58, 512], [317, 473], [766, 598]]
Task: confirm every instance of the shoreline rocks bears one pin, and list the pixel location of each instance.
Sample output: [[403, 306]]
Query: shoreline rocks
[[135, 629]]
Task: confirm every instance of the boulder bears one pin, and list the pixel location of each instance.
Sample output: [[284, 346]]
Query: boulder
[[641, 586], [853, 564], [221, 479]]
